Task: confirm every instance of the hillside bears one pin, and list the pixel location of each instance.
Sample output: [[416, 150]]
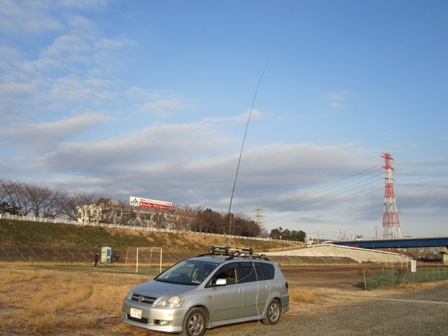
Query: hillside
[[64, 236]]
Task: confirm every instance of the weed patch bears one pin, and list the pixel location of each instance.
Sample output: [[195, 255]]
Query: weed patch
[[303, 296]]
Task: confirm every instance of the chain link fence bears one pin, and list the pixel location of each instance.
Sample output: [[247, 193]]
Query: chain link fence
[[399, 276]]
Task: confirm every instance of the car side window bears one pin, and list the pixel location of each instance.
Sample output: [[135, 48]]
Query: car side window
[[227, 272], [268, 271], [249, 272]]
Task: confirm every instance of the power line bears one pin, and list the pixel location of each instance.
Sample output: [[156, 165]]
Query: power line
[[332, 187], [362, 183]]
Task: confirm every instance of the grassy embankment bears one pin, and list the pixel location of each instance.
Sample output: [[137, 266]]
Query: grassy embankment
[[64, 236]]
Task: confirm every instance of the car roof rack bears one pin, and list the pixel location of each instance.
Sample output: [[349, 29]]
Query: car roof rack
[[239, 252]]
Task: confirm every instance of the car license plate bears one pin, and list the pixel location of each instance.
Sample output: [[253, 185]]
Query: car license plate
[[136, 313]]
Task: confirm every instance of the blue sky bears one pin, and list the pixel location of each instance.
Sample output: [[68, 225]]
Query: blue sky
[[151, 99]]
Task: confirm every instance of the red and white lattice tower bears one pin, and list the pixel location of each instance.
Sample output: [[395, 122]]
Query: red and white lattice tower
[[391, 223]]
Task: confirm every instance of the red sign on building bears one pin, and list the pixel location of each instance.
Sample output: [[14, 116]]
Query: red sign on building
[[150, 203]]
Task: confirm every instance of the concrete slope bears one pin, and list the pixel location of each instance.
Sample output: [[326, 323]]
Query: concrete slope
[[357, 254]]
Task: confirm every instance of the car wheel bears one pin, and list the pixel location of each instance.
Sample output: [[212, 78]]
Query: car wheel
[[273, 312], [195, 322]]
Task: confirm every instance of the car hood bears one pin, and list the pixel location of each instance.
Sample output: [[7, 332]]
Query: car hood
[[158, 289]]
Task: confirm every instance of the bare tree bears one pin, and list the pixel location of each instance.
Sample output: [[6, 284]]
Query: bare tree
[[51, 208], [66, 205], [184, 218], [3, 192], [16, 195], [120, 209], [78, 206], [199, 225], [37, 196]]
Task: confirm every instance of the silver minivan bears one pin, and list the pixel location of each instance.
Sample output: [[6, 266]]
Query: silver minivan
[[222, 287]]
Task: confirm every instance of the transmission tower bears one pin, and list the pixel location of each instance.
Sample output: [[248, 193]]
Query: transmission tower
[[391, 223], [259, 215]]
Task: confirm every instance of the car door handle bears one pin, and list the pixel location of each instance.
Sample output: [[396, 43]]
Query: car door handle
[[238, 290]]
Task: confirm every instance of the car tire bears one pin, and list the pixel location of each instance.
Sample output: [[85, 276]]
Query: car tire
[[273, 312], [195, 322]]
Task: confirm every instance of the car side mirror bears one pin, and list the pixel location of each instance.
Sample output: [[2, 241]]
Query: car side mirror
[[221, 282]]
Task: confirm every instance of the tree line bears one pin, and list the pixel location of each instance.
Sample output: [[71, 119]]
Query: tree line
[[31, 199], [286, 234]]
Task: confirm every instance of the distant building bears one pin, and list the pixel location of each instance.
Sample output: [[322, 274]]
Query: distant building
[[114, 212]]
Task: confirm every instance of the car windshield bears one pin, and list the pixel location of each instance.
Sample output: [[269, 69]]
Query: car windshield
[[187, 272]]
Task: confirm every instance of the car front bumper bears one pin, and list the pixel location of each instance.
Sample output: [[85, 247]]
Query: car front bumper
[[157, 319]]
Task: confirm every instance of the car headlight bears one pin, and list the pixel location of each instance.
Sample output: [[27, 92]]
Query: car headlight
[[170, 302], [129, 295]]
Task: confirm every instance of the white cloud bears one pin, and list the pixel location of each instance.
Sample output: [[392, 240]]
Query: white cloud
[[177, 143], [155, 102], [78, 24], [239, 119], [160, 106], [338, 99], [27, 17], [67, 45], [47, 136], [9, 57], [59, 75]]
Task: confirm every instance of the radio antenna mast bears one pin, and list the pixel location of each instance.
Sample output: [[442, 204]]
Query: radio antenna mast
[[242, 148]]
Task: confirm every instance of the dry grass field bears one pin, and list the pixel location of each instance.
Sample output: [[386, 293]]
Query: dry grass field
[[47, 300], [71, 300]]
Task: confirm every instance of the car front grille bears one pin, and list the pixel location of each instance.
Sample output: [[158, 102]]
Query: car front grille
[[142, 299]]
